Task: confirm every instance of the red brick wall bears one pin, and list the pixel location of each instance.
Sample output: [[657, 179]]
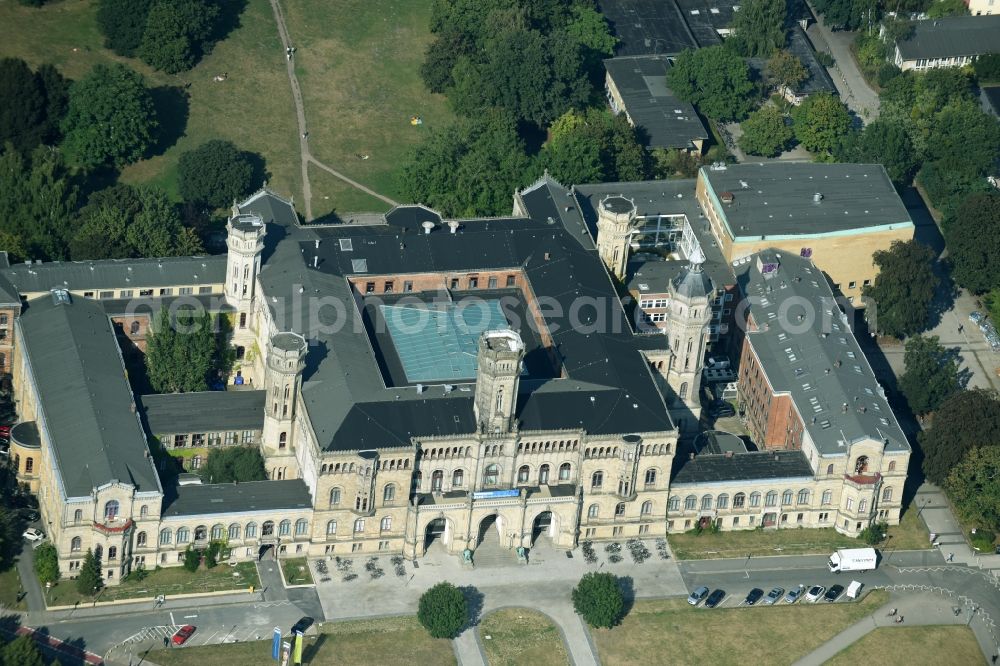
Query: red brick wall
[[123, 328]]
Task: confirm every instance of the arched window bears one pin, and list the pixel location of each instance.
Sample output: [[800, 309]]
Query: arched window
[[334, 496], [359, 525], [619, 509], [829, 468], [267, 529], [183, 535], [200, 533], [650, 476], [674, 504], [143, 511], [861, 465], [491, 475], [389, 493], [522, 473], [887, 494], [234, 531], [786, 498], [77, 543], [647, 508], [706, 502], [250, 531], [77, 516], [892, 465], [111, 510], [771, 499], [739, 500], [437, 480], [543, 474], [803, 497], [217, 532], [282, 440], [684, 391], [140, 539], [285, 528], [457, 478], [827, 497], [301, 526], [386, 524], [596, 480], [564, 471], [722, 501], [133, 328], [165, 536], [331, 528], [690, 503], [593, 511], [754, 499]]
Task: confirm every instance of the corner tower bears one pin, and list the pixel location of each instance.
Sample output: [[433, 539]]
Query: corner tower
[[286, 358], [690, 312], [498, 372], [615, 224], [245, 243]]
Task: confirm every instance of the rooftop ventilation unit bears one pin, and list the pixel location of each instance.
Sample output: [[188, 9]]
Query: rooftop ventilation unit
[[428, 226], [817, 197]]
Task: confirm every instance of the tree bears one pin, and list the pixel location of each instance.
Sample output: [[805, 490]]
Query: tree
[[56, 90], [759, 27], [182, 352], [110, 119], [47, 563], [931, 375], [443, 611], [821, 122], [125, 221], [177, 33], [974, 486], [593, 147], [987, 68], [847, 14], [123, 23], [973, 242], [234, 463], [902, 292], [964, 138], [674, 163], [882, 142], [765, 132], [22, 651], [37, 202], [90, 580], [942, 8], [784, 70], [215, 173], [192, 558], [23, 113], [598, 599], [714, 79], [965, 421], [590, 30]]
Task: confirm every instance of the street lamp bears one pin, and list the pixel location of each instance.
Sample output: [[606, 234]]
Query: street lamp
[[927, 500], [972, 615]]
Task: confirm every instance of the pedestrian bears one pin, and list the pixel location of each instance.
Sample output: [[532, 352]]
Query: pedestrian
[[951, 557], [961, 328]]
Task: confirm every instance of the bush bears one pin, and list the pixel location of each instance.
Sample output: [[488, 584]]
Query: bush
[[872, 535], [982, 539], [443, 611], [192, 559], [47, 563], [90, 580], [825, 59], [598, 599]]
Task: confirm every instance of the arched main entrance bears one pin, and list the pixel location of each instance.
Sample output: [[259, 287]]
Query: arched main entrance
[[489, 532], [542, 527], [436, 531]]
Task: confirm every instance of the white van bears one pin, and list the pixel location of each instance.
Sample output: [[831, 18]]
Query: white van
[[854, 589]]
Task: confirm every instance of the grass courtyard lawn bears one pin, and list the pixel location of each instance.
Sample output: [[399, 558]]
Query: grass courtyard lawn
[[395, 641], [521, 636], [253, 108], [10, 586], [296, 571], [358, 65], [330, 195], [903, 646], [910, 534], [168, 581], [672, 632]]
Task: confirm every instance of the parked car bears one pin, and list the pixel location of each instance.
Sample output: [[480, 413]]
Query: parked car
[[30, 515], [715, 598], [182, 634], [5, 431], [834, 592], [695, 598], [31, 534], [814, 593], [303, 624], [975, 316], [754, 596], [774, 596], [794, 594]]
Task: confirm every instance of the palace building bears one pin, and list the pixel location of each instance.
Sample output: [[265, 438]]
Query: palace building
[[417, 382]]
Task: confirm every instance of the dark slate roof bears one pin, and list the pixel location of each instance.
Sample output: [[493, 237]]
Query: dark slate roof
[[26, 434], [8, 293], [219, 498], [117, 273], [706, 17], [85, 401], [668, 122], [150, 305], [208, 411], [952, 36], [653, 277], [608, 390], [776, 199], [752, 466], [817, 361], [693, 282], [270, 207], [648, 27]]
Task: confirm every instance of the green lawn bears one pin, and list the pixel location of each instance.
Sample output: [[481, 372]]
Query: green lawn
[[395, 641], [330, 195], [905, 646], [168, 581], [520, 636], [296, 571], [10, 586], [672, 632], [253, 107], [358, 65]]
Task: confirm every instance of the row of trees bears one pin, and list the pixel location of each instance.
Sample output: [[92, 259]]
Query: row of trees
[[819, 124]]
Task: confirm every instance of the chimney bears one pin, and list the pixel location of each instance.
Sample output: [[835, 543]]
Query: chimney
[[428, 225], [316, 261], [453, 226], [317, 243], [817, 197], [691, 456], [727, 197]]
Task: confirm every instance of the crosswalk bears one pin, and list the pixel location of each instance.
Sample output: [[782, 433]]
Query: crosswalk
[[155, 635]]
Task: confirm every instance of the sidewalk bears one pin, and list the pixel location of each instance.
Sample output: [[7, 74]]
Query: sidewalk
[[936, 512]]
